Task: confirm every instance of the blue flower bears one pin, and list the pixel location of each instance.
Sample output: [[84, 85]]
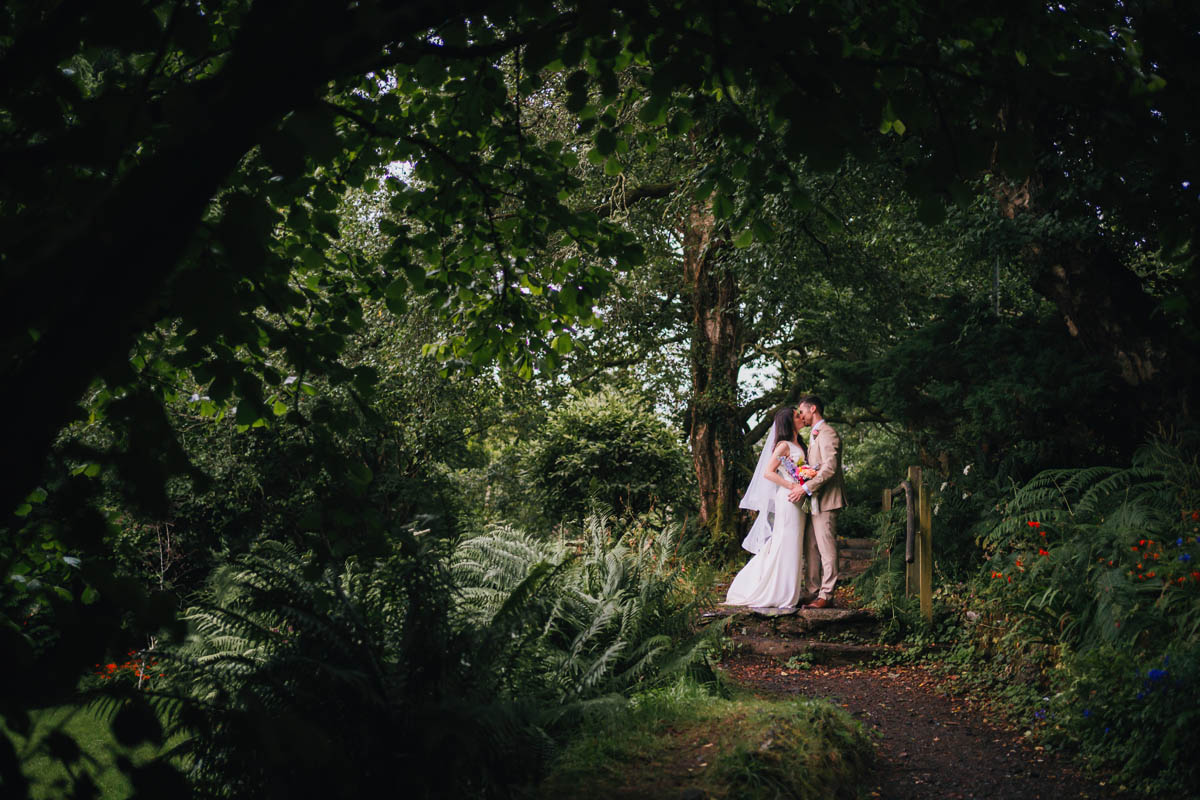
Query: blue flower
[[1156, 674], [1179, 541], [1040, 713], [1087, 712], [1141, 695], [1186, 557]]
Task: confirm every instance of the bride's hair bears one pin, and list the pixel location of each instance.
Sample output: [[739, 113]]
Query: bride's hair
[[785, 424]]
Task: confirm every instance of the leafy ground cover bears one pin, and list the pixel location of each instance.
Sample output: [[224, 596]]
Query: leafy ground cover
[[46, 749], [687, 740]]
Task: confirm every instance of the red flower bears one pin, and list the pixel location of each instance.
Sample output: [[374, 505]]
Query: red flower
[[1042, 534], [1033, 524], [1043, 551], [1133, 547], [1195, 515]]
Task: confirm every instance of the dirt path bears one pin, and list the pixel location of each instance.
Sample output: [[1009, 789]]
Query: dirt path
[[930, 745]]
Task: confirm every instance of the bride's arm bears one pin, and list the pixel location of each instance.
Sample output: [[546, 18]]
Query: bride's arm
[[770, 474]]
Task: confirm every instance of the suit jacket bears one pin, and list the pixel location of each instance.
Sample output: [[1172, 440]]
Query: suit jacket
[[825, 453]]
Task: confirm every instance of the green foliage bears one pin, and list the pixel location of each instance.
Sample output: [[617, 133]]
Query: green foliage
[[66, 749], [1093, 592], [752, 747], [612, 611], [980, 423], [369, 678], [606, 448]]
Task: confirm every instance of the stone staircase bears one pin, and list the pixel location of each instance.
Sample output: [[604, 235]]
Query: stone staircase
[[854, 556], [838, 635]]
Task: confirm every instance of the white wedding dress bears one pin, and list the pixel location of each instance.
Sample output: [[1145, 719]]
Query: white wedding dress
[[772, 578]]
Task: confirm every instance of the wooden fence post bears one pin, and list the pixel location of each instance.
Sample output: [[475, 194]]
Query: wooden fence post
[[911, 571], [925, 554]]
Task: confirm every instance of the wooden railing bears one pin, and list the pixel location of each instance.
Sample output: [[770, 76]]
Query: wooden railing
[[918, 540]]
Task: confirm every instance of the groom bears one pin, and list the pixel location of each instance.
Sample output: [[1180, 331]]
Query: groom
[[825, 489]]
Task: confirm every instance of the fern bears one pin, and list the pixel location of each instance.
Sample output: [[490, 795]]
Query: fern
[[1101, 566]]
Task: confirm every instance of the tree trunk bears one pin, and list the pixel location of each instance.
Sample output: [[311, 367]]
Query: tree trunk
[[717, 341], [1104, 306]]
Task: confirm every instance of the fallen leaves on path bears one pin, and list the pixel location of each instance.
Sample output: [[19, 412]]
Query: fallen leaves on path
[[932, 741]]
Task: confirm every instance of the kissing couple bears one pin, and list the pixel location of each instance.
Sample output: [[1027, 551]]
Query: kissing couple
[[797, 493]]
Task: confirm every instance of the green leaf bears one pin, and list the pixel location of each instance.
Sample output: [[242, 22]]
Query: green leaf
[[722, 206], [23, 510], [1021, 58], [680, 124], [247, 413], [360, 473], [744, 239], [613, 166], [279, 408], [606, 141], [396, 296], [653, 111], [563, 344]]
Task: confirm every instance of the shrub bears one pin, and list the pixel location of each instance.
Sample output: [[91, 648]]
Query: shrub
[[1093, 576], [606, 448], [438, 671]]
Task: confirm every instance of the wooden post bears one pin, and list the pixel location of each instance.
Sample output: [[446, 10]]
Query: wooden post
[[887, 499], [925, 554], [911, 571]]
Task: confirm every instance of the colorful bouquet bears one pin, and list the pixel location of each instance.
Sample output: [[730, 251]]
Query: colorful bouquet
[[798, 472]]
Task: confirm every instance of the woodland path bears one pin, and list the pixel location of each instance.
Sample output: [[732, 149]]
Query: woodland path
[[933, 740], [930, 742]]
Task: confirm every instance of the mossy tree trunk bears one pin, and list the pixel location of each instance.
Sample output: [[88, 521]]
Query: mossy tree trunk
[[717, 342]]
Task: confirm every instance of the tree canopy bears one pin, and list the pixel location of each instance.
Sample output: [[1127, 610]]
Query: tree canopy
[[295, 216]]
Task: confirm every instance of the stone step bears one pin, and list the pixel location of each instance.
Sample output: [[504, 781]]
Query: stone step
[[795, 622], [819, 636], [849, 567], [812, 651], [856, 543]]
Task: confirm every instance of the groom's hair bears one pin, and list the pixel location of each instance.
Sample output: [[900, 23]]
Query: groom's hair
[[815, 402]]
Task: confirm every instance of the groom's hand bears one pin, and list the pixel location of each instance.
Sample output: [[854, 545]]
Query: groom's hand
[[796, 494]]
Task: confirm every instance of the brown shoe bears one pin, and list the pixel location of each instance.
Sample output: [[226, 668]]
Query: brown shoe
[[805, 599], [821, 602]]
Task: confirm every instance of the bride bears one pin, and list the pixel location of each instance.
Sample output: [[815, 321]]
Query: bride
[[771, 579]]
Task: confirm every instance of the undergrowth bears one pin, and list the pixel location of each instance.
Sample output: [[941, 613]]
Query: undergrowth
[[727, 743], [1085, 621]]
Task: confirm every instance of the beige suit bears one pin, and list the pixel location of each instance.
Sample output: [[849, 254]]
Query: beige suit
[[826, 488]]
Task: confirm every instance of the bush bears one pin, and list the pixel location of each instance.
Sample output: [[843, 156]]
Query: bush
[[606, 449], [439, 671], [1094, 582]]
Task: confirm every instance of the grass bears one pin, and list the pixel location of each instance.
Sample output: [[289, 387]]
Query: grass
[[98, 754], [688, 736]]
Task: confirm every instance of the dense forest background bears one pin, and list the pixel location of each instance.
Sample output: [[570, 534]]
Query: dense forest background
[[381, 379]]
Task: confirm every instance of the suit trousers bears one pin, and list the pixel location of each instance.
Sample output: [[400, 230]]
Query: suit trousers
[[821, 557]]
